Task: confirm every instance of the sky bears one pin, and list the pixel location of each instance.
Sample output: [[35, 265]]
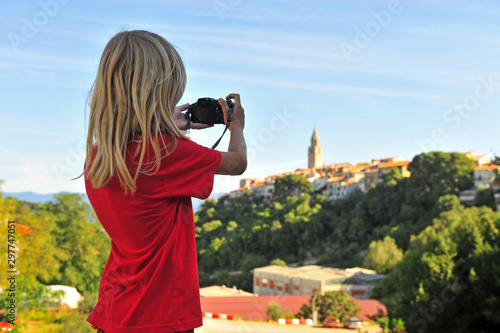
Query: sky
[[376, 78]]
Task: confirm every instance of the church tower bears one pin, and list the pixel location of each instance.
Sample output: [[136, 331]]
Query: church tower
[[315, 152]]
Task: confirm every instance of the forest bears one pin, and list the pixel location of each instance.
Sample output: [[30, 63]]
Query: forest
[[442, 259], [298, 225]]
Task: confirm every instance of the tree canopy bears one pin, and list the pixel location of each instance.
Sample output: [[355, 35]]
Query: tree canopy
[[297, 224], [331, 303], [383, 255], [64, 244], [291, 185], [449, 279]]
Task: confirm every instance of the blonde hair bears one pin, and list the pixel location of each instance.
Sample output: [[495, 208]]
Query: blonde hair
[[140, 80]]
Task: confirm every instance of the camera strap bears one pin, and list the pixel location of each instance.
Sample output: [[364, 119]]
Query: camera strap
[[228, 122], [229, 115]]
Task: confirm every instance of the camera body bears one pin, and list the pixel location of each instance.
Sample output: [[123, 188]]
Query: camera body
[[207, 111]]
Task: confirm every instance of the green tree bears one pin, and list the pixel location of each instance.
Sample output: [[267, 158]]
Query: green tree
[[291, 185], [392, 177], [35, 246], [232, 226], [211, 226], [390, 324], [485, 197], [274, 311], [221, 277], [449, 279], [415, 200], [331, 303], [248, 263], [37, 255], [435, 174], [278, 262], [383, 255], [449, 202], [84, 244]]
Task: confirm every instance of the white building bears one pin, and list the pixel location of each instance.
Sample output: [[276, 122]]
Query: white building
[[480, 159], [484, 175], [69, 296], [279, 280]]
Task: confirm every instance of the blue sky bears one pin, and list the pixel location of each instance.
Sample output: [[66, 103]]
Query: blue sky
[[377, 78]]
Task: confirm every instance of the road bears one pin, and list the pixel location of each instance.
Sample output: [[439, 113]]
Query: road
[[239, 326]]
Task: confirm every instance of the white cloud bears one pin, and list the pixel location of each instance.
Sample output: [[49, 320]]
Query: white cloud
[[226, 183], [42, 60], [300, 84], [197, 136], [42, 173]]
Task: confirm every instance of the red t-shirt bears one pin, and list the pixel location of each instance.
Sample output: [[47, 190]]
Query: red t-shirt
[[150, 282]]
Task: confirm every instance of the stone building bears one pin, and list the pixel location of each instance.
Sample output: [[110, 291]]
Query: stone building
[[315, 155]]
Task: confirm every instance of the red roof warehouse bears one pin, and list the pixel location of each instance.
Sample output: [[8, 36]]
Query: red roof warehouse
[[254, 308]]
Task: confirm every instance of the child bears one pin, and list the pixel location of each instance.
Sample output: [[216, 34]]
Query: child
[[140, 175]]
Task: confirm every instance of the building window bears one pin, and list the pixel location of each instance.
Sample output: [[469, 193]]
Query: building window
[[295, 287], [271, 284], [287, 288], [315, 290], [355, 293], [257, 282], [264, 283], [280, 288]]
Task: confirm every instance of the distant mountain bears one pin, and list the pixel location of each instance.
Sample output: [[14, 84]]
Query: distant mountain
[[197, 202], [41, 198], [31, 196]]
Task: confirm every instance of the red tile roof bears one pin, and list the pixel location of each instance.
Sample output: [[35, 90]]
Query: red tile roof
[[335, 179], [254, 308], [393, 164], [486, 167]]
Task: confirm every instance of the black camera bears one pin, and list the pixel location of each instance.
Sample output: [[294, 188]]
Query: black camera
[[208, 111]]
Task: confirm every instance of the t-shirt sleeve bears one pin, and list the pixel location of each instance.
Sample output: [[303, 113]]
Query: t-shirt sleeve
[[189, 171]]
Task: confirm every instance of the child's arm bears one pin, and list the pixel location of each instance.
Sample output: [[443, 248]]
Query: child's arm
[[234, 161]]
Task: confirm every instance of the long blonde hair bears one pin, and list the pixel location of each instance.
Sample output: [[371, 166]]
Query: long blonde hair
[[140, 79]]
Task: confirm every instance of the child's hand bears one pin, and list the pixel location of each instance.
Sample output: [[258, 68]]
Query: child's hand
[[238, 111], [180, 119]]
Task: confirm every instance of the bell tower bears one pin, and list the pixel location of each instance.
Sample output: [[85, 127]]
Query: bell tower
[[315, 152]]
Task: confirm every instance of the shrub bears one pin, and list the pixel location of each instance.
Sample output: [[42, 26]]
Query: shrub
[[274, 311]]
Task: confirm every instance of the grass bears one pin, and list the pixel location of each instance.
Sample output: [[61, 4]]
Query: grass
[[61, 321], [39, 326]]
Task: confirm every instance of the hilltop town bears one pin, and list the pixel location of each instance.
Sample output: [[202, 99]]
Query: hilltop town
[[336, 181]]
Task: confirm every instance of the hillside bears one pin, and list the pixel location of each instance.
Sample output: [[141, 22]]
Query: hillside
[[446, 246], [42, 198], [247, 231]]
